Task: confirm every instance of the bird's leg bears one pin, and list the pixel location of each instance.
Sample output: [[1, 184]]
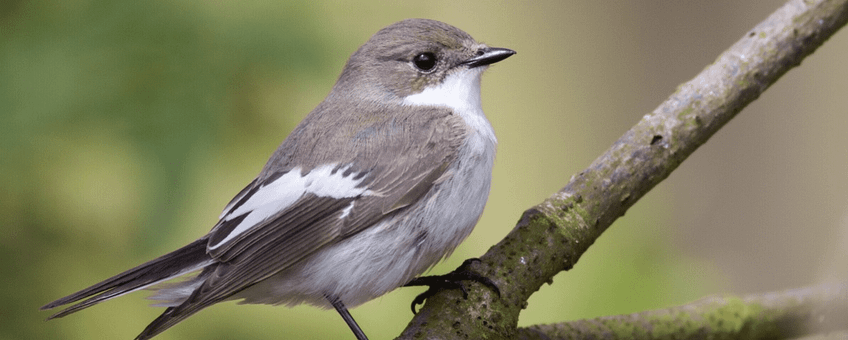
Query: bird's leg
[[340, 307], [452, 280]]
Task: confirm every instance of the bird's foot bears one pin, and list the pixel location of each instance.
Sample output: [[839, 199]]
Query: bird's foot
[[452, 280]]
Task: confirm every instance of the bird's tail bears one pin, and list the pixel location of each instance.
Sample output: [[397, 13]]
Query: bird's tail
[[179, 262]]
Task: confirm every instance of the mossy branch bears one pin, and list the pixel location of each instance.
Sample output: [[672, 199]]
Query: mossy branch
[[787, 314], [551, 236]]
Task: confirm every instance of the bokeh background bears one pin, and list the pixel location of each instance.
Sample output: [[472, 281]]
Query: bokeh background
[[125, 126]]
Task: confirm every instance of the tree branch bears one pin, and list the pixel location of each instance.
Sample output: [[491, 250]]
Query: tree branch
[[787, 314], [552, 236]]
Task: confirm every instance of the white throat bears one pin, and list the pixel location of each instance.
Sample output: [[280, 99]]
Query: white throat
[[459, 92]]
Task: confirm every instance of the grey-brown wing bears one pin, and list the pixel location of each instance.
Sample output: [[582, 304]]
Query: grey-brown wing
[[287, 215], [384, 164]]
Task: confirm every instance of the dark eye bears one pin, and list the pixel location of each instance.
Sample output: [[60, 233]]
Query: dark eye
[[424, 61]]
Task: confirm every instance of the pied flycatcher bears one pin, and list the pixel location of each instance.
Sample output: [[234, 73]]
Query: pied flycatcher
[[376, 185]]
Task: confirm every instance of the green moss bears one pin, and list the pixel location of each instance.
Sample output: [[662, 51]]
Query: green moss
[[560, 214], [662, 326], [685, 113], [621, 330], [730, 317]]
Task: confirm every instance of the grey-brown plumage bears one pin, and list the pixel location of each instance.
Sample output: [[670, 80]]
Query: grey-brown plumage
[[378, 183]]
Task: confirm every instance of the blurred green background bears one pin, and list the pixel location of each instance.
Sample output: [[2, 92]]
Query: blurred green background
[[125, 126]]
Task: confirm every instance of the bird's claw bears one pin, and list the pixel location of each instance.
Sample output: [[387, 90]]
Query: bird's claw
[[452, 280]]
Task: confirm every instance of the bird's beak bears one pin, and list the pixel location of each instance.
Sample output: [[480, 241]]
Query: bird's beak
[[488, 55]]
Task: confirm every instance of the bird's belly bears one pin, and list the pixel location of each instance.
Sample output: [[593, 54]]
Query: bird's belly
[[394, 251]]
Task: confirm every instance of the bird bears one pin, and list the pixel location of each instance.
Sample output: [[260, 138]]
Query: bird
[[377, 184]]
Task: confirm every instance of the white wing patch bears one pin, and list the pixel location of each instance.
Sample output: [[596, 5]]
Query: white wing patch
[[278, 195]]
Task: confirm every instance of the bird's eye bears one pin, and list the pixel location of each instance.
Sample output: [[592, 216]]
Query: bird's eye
[[424, 61]]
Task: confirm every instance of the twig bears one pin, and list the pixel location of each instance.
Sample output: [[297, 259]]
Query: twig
[[781, 315]]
